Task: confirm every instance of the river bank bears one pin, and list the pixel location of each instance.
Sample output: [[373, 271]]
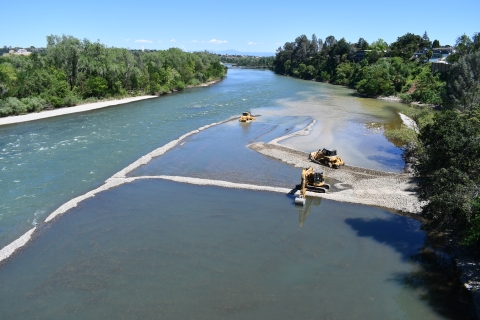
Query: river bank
[[83, 107], [69, 110]]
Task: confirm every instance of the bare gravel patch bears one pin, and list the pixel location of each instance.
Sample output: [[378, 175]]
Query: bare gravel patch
[[355, 184]]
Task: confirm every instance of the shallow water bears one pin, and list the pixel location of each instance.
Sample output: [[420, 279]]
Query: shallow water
[[158, 249], [47, 162], [221, 153]]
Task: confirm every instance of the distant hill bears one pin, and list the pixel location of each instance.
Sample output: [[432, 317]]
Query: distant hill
[[235, 52]]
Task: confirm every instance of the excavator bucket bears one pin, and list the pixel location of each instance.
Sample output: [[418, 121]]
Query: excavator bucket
[[300, 200]]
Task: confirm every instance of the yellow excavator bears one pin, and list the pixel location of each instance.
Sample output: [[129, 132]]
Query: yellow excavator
[[246, 117], [311, 181], [326, 157]]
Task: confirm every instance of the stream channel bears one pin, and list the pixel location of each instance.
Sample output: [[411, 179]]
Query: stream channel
[[154, 248]]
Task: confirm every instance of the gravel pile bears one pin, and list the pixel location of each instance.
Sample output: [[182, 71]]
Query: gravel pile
[[354, 184]]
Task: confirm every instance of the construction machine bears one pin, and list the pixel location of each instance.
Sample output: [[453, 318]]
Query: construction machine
[[326, 157], [246, 117], [311, 181]]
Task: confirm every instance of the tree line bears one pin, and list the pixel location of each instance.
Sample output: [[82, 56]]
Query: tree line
[[71, 71], [373, 69], [248, 61]]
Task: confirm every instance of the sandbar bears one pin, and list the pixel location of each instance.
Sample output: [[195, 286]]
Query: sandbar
[[69, 110]]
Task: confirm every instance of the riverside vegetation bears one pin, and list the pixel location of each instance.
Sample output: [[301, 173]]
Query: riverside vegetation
[[446, 148], [72, 71]]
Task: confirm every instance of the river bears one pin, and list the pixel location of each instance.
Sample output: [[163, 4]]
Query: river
[[155, 248]]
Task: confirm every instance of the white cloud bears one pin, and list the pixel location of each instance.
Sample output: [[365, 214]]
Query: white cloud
[[159, 40], [218, 41], [173, 40], [144, 41], [252, 43], [194, 41], [127, 40]]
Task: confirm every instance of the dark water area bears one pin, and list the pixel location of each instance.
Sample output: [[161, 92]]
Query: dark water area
[[159, 249]]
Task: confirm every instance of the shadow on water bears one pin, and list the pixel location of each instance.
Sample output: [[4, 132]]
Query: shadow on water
[[398, 232], [439, 283], [435, 276]]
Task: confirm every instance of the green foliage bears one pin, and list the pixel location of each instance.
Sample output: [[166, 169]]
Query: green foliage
[[472, 234], [12, 106], [73, 69], [449, 173], [34, 104], [403, 135], [96, 87], [429, 88], [463, 84], [407, 44], [248, 61], [344, 73], [376, 75], [8, 79], [377, 80]]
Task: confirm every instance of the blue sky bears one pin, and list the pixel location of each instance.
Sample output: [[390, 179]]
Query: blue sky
[[247, 25]]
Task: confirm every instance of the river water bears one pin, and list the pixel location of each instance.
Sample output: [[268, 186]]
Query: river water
[[160, 249]]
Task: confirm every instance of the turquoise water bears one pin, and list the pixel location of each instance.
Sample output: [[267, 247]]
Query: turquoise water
[[159, 249]]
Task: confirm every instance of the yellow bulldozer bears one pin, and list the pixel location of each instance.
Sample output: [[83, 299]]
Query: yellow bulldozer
[[311, 181], [246, 117], [327, 157]]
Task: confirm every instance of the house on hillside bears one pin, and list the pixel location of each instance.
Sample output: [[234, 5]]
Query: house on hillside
[[22, 52]]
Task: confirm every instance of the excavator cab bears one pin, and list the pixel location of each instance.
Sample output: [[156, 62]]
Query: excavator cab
[[317, 178], [246, 117], [329, 152]]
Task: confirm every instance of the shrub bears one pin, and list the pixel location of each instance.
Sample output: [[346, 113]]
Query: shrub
[[34, 104], [194, 82], [71, 101], [5, 111], [12, 106]]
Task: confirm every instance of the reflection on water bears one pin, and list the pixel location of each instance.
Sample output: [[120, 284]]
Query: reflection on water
[[304, 211], [159, 249]]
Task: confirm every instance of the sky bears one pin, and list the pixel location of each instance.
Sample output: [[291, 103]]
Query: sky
[[245, 26]]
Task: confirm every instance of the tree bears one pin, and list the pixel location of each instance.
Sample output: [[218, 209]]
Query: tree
[[8, 78], [463, 84], [407, 44], [436, 44], [361, 44], [64, 53], [379, 45], [429, 54], [313, 45], [426, 41], [449, 173]]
